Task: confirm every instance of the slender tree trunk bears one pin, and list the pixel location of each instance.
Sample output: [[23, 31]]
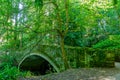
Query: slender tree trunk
[[64, 55], [15, 33]]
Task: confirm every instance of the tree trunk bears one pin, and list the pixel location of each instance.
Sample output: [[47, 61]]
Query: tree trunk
[[62, 33], [64, 56]]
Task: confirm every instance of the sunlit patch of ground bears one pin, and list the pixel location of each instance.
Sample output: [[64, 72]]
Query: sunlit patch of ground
[[117, 65]]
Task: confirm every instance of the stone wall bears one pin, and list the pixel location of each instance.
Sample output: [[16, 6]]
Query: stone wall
[[81, 57]]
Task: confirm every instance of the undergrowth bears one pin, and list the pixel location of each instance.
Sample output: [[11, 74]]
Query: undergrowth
[[9, 69]]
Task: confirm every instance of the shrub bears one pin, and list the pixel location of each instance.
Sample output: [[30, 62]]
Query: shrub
[[9, 73], [106, 44]]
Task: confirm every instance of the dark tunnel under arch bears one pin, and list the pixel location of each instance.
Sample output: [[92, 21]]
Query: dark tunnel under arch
[[38, 62]]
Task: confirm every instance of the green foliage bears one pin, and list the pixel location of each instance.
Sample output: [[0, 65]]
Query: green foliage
[[39, 3], [111, 43], [75, 32], [115, 2], [9, 67], [10, 62], [8, 59], [73, 39], [10, 73], [24, 24], [104, 44]]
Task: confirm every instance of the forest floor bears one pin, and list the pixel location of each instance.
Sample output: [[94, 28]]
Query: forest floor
[[82, 74]]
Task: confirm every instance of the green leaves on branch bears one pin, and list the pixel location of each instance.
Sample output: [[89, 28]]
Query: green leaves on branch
[[115, 2], [111, 43], [39, 3]]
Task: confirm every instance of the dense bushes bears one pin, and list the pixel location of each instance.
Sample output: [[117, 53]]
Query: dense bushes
[[9, 73], [9, 67], [111, 43], [106, 44]]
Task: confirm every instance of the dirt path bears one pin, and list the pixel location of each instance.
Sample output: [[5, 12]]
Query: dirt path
[[82, 74]]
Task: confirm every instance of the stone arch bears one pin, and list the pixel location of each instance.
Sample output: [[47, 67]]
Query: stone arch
[[38, 62]]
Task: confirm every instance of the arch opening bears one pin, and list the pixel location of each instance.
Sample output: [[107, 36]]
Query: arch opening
[[36, 64]]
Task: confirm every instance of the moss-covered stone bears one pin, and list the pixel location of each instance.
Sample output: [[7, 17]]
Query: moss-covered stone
[[82, 57]]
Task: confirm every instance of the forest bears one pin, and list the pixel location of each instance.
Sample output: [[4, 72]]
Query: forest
[[58, 39]]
